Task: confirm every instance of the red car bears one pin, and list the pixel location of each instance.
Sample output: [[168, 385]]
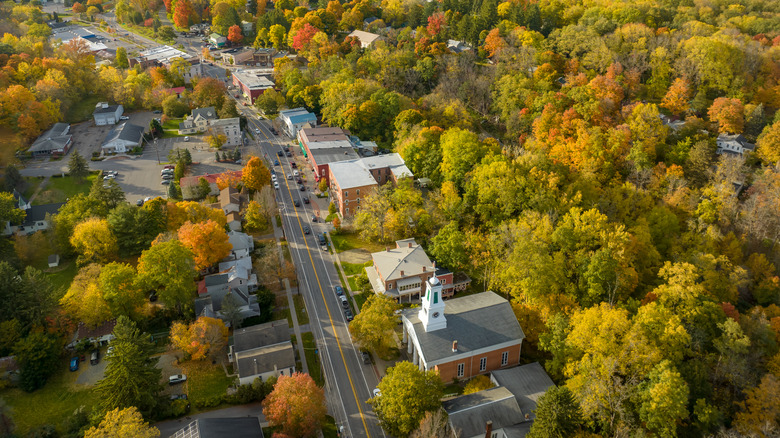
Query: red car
[[169, 166]]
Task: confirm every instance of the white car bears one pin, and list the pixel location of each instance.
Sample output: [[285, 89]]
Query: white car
[[295, 173], [124, 118], [178, 378], [377, 392], [273, 177], [186, 139], [276, 185], [257, 130]]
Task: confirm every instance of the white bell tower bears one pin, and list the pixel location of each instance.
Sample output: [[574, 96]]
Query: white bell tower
[[432, 312]]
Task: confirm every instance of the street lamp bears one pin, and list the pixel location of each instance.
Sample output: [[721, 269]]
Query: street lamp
[[157, 150]]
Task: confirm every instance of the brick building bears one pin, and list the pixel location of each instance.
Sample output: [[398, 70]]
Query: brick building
[[325, 145], [471, 335], [253, 82]]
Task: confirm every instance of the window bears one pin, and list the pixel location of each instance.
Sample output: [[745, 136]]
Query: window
[[443, 281], [358, 192], [483, 364], [346, 193], [460, 369], [346, 210], [389, 285], [346, 202], [358, 200], [504, 358]]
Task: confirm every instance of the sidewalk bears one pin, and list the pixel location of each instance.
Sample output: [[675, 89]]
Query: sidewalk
[[278, 235]]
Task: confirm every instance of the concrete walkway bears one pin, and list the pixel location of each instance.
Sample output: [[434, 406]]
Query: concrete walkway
[[278, 235]]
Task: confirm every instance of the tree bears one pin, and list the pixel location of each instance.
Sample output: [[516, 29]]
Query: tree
[[234, 34], [277, 35], [761, 408], [169, 269], [664, 400], [120, 291], [255, 175], [108, 193], [449, 247], [406, 395], [255, 216], [84, 300], [433, 425], [207, 241], [121, 57], [206, 337], [77, 166], [729, 114], [479, 383], [79, 8], [166, 32], [12, 178], [374, 325], [123, 423], [131, 378], [182, 13], [231, 310], [203, 189], [768, 144], [38, 357], [461, 150], [209, 92], [8, 210], [323, 185], [558, 415], [94, 240], [677, 99], [296, 404]]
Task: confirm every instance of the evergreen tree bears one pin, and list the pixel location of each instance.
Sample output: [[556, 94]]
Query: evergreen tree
[[558, 415], [78, 167], [12, 178], [131, 377]]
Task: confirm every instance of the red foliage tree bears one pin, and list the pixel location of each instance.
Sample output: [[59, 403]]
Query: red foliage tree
[[234, 34], [296, 404], [304, 36], [167, 5], [182, 13], [78, 8], [494, 43], [436, 23]]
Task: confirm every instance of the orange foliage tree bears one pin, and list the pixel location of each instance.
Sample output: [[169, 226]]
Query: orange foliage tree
[[228, 180], [677, 98], [191, 211], [296, 404], [729, 114], [494, 43], [206, 337], [234, 34], [255, 175], [182, 13], [79, 8], [208, 242]]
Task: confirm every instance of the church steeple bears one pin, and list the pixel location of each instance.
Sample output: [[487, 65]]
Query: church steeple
[[432, 312]]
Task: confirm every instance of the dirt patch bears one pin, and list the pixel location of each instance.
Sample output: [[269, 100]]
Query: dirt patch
[[358, 256]]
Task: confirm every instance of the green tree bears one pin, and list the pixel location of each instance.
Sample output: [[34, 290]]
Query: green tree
[[121, 57], [131, 378], [107, 192], [558, 415], [406, 395], [38, 357], [204, 188], [120, 291], [169, 269], [461, 150], [373, 326], [8, 210], [77, 166], [166, 33], [12, 178], [449, 247], [664, 400]]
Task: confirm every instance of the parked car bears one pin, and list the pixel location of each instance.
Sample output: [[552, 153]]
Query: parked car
[[366, 357], [178, 397], [139, 202], [74, 363], [289, 176], [110, 172], [339, 290], [157, 112], [167, 176], [377, 392], [257, 130], [286, 148], [344, 302], [288, 154], [298, 180], [306, 229], [294, 165], [94, 358], [276, 185], [108, 177], [276, 162], [273, 131], [186, 139], [295, 172], [177, 378], [302, 187], [273, 177], [124, 118], [348, 314], [169, 166], [305, 199], [165, 182], [110, 351], [314, 218], [166, 172]]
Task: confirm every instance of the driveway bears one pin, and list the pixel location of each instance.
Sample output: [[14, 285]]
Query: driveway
[[167, 363], [168, 428], [90, 374]]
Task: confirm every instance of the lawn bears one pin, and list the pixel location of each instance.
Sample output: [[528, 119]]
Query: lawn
[[30, 184], [312, 358], [281, 310], [62, 276], [59, 189], [345, 241], [205, 381], [300, 309], [351, 269], [51, 404], [82, 110]]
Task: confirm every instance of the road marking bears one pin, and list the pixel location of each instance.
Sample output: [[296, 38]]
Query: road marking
[[322, 294]]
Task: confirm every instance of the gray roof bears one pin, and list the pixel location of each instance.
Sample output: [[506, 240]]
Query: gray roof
[[208, 113], [333, 155], [390, 263], [351, 174], [264, 359], [241, 240], [527, 383], [215, 279], [106, 109], [239, 427], [476, 321], [260, 335], [37, 213], [55, 138], [125, 131], [469, 413]]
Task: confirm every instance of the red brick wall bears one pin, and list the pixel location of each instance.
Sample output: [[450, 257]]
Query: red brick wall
[[449, 371]]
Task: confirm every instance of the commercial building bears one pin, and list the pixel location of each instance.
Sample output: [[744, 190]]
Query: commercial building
[[253, 83], [122, 138], [325, 145], [238, 55], [230, 128], [235, 427], [296, 119], [105, 114], [55, 141], [468, 336]]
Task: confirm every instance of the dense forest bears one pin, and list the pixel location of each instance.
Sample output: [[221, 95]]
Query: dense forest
[[571, 149]]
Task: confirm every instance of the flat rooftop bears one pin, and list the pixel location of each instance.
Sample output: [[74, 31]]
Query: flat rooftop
[[162, 54], [254, 79], [333, 155]]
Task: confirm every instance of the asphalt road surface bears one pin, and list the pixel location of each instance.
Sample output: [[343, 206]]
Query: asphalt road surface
[[348, 382]]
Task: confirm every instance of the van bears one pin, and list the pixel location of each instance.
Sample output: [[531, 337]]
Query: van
[[344, 302]]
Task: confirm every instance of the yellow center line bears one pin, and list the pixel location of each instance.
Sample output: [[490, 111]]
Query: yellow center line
[[322, 293]]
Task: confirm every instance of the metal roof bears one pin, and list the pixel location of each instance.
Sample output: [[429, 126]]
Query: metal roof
[[469, 413]]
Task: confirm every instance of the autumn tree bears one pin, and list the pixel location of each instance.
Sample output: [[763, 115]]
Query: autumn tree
[[131, 378], [84, 300], [761, 408], [120, 291], [206, 337], [255, 174], [769, 144], [169, 269], [433, 425], [407, 393], [729, 114], [296, 404], [123, 423], [8, 210], [94, 241], [226, 180], [373, 326], [191, 211], [79, 8], [478, 383], [182, 13], [207, 241], [255, 216], [121, 57], [209, 91], [677, 99], [234, 34]]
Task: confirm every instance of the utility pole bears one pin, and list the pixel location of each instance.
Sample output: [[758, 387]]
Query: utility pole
[[157, 150]]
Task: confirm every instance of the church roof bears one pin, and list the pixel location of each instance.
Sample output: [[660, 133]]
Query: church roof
[[478, 322]]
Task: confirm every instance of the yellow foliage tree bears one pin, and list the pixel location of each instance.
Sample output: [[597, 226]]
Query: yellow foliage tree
[[208, 242], [93, 239], [123, 423], [255, 175], [84, 300], [191, 211], [206, 337]]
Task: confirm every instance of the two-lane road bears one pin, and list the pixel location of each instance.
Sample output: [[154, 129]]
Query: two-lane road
[[349, 382]]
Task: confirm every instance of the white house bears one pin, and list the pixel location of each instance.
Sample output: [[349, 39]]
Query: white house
[[263, 351], [198, 120], [734, 144], [230, 128], [366, 38], [37, 217], [123, 138], [296, 119], [106, 114]]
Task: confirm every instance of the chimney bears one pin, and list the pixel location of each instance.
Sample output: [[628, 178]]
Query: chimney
[[410, 244], [402, 273], [488, 429], [454, 346], [423, 268]]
